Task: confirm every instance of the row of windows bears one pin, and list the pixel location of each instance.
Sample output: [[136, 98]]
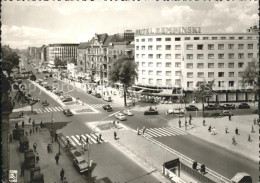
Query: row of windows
[[199, 47], [190, 84], [199, 56], [211, 65], [159, 64], [196, 38]]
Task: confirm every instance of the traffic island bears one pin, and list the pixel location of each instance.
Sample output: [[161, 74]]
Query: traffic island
[[106, 125]]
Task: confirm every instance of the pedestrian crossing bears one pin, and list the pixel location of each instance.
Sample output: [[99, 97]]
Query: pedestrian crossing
[[83, 139], [99, 106], [162, 132], [49, 109]]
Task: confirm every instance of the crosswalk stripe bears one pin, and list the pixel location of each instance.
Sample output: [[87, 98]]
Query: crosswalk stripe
[[84, 139], [148, 135], [60, 108], [90, 138], [167, 132], [94, 137], [161, 132], [80, 141], [76, 140], [37, 110], [151, 133], [54, 109], [156, 132], [46, 109], [71, 141], [177, 131]]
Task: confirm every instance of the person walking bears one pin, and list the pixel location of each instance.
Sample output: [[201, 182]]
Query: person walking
[[37, 158], [249, 138], [229, 117], [22, 170], [41, 124], [33, 130], [36, 129], [34, 146], [29, 120], [226, 129], [115, 136], [22, 124], [236, 131], [252, 130], [255, 121], [233, 140], [186, 125], [100, 137], [180, 123], [137, 130], [209, 129], [87, 140], [190, 117], [57, 157], [144, 130], [62, 173], [204, 122], [33, 123]]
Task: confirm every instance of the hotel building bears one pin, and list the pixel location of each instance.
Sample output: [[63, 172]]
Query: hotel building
[[185, 57]]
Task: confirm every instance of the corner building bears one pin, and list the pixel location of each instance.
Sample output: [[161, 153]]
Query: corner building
[[181, 60]]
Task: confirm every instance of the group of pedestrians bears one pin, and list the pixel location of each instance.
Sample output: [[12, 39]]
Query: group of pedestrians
[[142, 130]]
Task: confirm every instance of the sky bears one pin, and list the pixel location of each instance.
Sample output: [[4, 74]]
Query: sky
[[27, 24]]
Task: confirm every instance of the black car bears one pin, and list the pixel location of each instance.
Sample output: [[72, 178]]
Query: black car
[[98, 95], [227, 107], [210, 107], [107, 108], [243, 106], [192, 108], [151, 111], [67, 112]]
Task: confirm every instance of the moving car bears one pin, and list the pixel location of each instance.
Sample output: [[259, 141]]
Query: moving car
[[179, 111], [227, 113], [120, 116], [98, 95], [67, 112], [67, 99], [80, 164], [210, 107], [128, 112], [107, 98], [151, 111], [107, 108], [192, 108], [227, 106], [243, 106]]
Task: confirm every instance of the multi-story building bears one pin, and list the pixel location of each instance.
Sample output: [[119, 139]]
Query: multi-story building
[[43, 54], [184, 58], [64, 52]]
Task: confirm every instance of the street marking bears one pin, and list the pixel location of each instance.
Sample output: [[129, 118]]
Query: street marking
[[60, 108], [90, 138], [154, 130], [80, 141], [178, 131], [151, 132], [76, 140], [71, 141], [93, 137], [46, 109], [166, 132], [54, 109]]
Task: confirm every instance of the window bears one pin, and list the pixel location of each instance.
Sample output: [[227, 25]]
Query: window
[[143, 40], [143, 72], [167, 47], [159, 73], [168, 56], [240, 46], [211, 47], [137, 40], [143, 55], [150, 81], [200, 74], [241, 55], [231, 55], [189, 74], [249, 37], [150, 55], [189, 47], [231, 74], [189, 56], [221, 74], [200, 47], [231, 46], [199, 56], [137, 55], [168, 81], [240, 65], [214, 38], [221, 65], [150, 39], [221, 56], [158, 39], [168, 73], [210, 56], [178, 64], [211, 74], [143, 64], [210, 65], [177, 56], [159, 81], [177, 82], [221, 46], [177, 47], [137, 63], [250, 55], [150, 72], [223, 38], [158, 47], [167, 39], [137, 47], [177, 39], [231, 83], [196, 38], [150, 47], [143, 47], [150, 64], [231, 38], [240, 74], [158, 56], [240, 38], [187, 38], [143, 80], [159, 64], [190, 84], [250, 46], [205, 38], [177, 73], [189, 65], [168, 64], [221, 84], [200, 65], [231, 65]]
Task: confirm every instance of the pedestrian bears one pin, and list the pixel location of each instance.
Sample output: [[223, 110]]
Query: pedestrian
[[180, 123], [41, 124], [190, 117], [10, 138], [37, 158], [137, 130], [87, 140], [209, 129], [22, 124], [36, 129], [29, 120], [189, 121], [233, 140], [229, 117], [100, 137], [22, 170], [30, 131], [252, 130], [97, 140], [144, 129], [249, 138], [34, 146], [115, 136], [33, 123], [56, 137], [57, 157], [65, 180], [226, 129], [62, 175], [68, 142], [204, 123], [186, 125], [236, 131], [202, 168], [255, 121], [213, 131]]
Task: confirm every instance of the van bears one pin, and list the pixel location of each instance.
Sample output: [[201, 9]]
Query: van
[[24, 143]]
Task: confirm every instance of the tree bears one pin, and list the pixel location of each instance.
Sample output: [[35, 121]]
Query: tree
[[123, 71], [203, 91], [10, 60], [58, 62], [251, 75]]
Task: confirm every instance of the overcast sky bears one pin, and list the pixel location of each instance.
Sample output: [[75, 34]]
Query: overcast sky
[[36, 23]]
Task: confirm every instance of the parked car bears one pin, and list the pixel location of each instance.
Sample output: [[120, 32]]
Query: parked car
[[89, 91], [243, 106], [192, 108], [227, 113], [151, 111], [128, 112], [67, 112], [120, 116], [98, 95], [227, 106], [107, 108], [80, 164], [210, 107], [67, 99]]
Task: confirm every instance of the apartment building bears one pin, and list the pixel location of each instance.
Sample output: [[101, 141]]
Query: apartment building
[[184, 58]]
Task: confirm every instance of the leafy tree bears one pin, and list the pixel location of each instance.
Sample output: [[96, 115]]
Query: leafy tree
[[10, 60], [123, 71], [251, 75]]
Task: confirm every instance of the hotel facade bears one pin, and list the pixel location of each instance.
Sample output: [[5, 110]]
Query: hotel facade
[[184, 58]]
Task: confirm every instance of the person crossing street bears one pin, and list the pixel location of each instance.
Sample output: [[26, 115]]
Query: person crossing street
[[57, 157], [62, 173]]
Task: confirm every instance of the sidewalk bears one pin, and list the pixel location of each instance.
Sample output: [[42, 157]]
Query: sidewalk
[[244, 124]]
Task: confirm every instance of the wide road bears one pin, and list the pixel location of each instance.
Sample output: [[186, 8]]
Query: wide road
[[218, 159]]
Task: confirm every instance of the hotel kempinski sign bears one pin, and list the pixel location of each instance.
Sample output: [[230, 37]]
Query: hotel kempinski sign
[[169, 30]]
